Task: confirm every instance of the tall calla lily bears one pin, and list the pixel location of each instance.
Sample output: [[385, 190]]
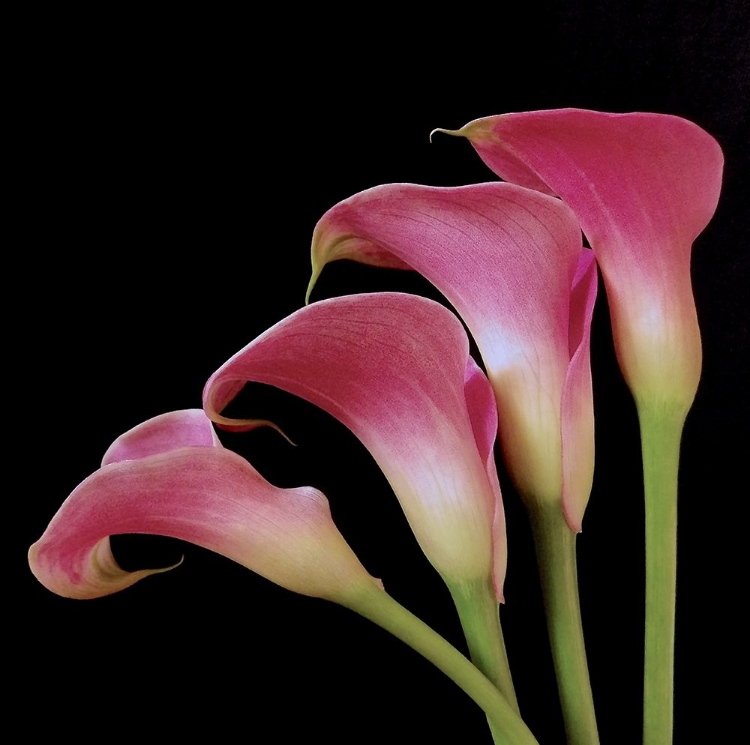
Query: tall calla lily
[[511, 262], [396, 370], [643, 187], [170, 476]]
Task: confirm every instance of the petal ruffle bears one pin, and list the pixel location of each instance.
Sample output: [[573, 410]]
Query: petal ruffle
[[206, 495], [506, 258], [643, 187], [391, 367]]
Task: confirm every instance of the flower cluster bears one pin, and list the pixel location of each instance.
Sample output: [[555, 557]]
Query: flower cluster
[[396, 370]]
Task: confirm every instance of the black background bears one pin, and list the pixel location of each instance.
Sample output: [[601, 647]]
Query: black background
[[173, 169]]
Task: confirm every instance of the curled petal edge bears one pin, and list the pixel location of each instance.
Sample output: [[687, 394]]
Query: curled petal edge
[[205, 495]]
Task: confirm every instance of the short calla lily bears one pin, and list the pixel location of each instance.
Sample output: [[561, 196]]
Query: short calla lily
[[396, 370], [643, 186], [170, 476], [511, 262]]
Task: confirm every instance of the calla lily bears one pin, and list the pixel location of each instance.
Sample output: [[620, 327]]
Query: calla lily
[[395, 369], [171, 476], [511, 262], [643, 186]]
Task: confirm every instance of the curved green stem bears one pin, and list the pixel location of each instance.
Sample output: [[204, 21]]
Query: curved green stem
[[480, 620], [556, 556], [661, 431], [478, 611], [379, 607]]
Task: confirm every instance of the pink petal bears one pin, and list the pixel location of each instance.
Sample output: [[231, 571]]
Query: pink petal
[[187, 428], [643, 186], [392, 368], [506, 258], [578, 397], [480, 400], [206, 495]]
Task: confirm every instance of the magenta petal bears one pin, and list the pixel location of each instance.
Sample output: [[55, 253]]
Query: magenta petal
[[643, 186], [506, 258], [392, 368], [208, 496]]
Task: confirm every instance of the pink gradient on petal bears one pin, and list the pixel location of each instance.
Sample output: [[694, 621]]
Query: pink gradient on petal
[[391, 368], [170, 476], [506, 258], [643, 187], [205, 495]]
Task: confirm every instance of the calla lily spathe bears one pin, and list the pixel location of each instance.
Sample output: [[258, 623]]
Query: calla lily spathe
[[511, 262], [170, 476], [643, 186], [396, 370]]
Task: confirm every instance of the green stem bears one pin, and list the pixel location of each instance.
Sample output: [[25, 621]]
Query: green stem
[[379, 607], [661, 431], [556, 556], [478, 611], [480, 619]]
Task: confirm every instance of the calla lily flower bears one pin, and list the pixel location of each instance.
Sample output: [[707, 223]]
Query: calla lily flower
[[643, 186], [511, 262], [170, 476], [396, 370]]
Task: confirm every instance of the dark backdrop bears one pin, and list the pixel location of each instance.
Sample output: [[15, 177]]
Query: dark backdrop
[[173, 169]]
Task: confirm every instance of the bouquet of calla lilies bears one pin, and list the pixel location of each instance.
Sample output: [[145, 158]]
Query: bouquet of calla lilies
[[397, 371]]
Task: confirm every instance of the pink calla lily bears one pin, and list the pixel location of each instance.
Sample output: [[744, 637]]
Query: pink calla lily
[[511, 262], [643, 186], [396, 370], [170, 476]]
